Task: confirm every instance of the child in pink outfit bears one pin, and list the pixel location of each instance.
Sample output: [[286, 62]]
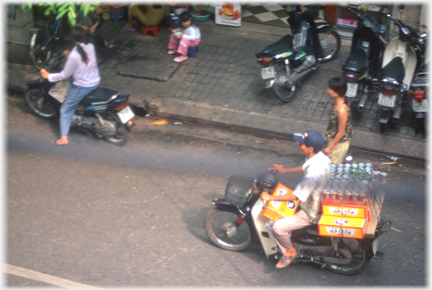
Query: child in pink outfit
[[188, 35]]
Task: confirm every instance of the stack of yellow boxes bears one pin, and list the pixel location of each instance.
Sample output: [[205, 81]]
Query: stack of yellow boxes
[[344, 212]]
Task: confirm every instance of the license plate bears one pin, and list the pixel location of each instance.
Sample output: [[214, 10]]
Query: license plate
[[387, 101], [267, 73], [126, 114], [419, 107], [351, 90], [375, 246]]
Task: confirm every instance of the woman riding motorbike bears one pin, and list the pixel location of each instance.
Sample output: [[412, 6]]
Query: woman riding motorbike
[[81, 64]]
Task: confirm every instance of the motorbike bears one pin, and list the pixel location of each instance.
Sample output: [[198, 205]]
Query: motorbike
[[103, 111], [287, 61], [418, 92], [364, 62], [242, 218], [402, 58]]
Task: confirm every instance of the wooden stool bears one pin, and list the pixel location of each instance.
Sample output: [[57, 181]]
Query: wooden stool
[[153, 29], [192, 51]]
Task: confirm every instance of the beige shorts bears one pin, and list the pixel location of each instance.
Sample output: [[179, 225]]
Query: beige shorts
[[339, 152]]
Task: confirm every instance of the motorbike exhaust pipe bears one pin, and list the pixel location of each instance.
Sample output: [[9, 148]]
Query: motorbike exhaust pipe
[[295, 77], [397, 114], [362, 103]]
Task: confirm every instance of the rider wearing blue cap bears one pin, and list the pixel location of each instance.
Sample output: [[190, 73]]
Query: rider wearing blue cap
[[316, 171]]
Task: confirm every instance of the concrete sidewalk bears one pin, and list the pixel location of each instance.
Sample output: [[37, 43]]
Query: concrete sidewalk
[[223, 86]]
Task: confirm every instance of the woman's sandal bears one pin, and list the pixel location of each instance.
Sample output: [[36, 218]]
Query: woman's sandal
[[57, 144], [285, 261]]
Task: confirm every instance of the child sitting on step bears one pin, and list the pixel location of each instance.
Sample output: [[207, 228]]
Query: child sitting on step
[[188, 35]]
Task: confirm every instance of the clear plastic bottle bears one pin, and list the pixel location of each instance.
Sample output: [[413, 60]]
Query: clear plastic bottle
[[362, 195], [326, 192], [348, 194], [355, 195], [333, 194], [340, 193]]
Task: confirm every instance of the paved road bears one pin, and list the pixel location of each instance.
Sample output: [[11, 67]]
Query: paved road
[[107, 216]]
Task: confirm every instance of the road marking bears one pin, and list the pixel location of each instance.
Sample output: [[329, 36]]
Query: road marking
[[37, 276]]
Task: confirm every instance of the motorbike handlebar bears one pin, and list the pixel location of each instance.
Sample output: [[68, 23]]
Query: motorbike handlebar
[[354, 12], [409, 33]]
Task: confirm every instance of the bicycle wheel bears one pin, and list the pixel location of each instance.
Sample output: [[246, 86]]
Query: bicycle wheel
[[40, 51]]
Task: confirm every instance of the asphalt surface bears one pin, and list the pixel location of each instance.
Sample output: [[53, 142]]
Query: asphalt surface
[[133, 216], [222, 86]]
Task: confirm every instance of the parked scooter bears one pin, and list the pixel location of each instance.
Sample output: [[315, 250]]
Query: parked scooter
[[362, 67], [402, 58], [290, 59], [419, 94], [103, 111], [242, 218]]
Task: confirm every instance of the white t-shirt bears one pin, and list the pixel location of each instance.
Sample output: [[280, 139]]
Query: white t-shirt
[[317, 171]]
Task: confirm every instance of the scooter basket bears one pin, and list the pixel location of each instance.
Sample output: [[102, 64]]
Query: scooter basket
[[239, 190]]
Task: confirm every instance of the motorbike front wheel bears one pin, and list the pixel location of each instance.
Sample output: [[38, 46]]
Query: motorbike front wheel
[[220, 228], [118, 134], [39, 103], [330, 43], [40, 51], [282, 90], [351, 264]]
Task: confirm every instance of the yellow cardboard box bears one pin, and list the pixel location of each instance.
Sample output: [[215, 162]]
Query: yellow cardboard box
[[276, 210], [345, 227], [345, 211]]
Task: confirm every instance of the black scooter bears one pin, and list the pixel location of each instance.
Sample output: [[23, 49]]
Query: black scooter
[[290, 59], [362, 67], [103, 111]]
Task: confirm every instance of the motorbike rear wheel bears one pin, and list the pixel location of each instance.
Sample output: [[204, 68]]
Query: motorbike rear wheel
[[39, 103], [220, 228], [330, 43], [358, 263], [121, 134], [282, 91]]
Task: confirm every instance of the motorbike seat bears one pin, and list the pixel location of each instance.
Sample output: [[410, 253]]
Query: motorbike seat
[[282, 45], [357, 61], [99, 96], [312, 229], [394, 70]]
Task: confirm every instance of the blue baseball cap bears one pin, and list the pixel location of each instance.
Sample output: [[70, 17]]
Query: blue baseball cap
[[310, 138]]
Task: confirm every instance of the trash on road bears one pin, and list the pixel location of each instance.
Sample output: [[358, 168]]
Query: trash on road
[[160, 122]]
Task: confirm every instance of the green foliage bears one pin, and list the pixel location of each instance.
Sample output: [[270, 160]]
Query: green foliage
[[60, 9], [357, 175]]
